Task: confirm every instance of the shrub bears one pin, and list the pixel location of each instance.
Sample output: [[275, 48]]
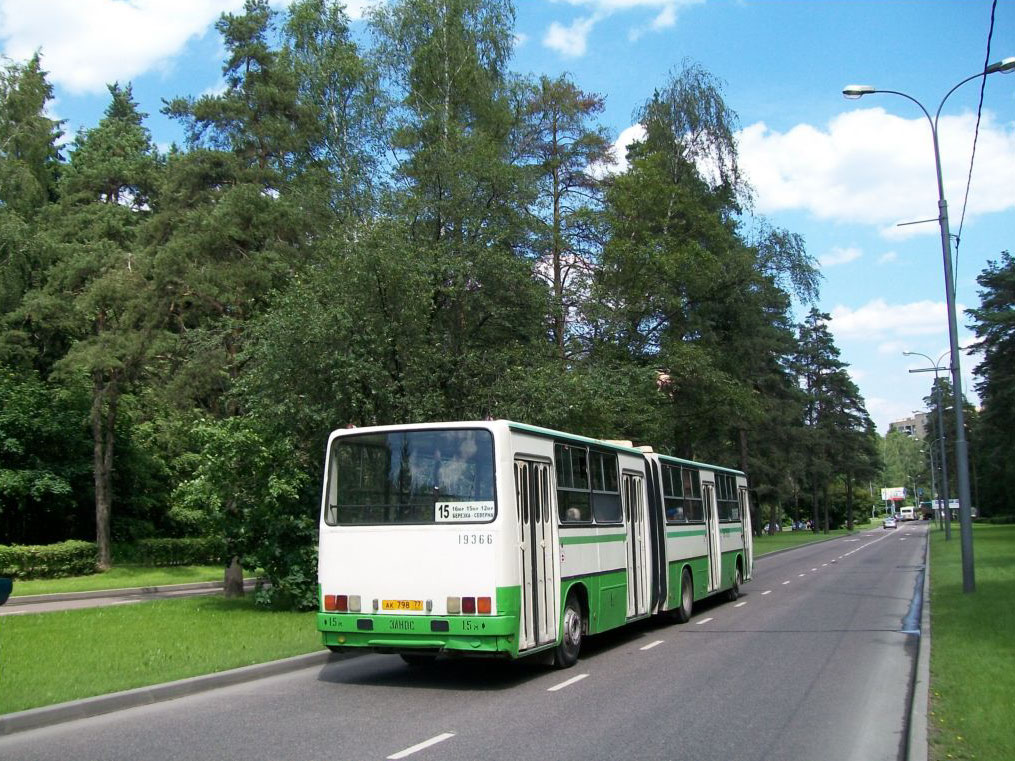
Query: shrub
[[48, 561], [169, 552]]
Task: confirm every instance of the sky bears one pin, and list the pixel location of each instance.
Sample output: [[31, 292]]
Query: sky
[[841, 173]]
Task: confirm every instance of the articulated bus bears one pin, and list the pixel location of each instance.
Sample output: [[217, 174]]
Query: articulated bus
[[496, 538]]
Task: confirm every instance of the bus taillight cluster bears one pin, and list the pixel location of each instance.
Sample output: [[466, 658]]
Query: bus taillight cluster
[[470, 605]]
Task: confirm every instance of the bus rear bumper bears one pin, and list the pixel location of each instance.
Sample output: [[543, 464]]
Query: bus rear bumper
[[488, 635]]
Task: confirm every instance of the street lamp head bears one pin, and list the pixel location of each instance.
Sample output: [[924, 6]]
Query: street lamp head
[[852, 92], [1005, 65]]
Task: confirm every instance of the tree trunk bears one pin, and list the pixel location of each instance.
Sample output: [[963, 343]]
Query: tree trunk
[[103, 418], [815, 518], [234, 578], [849, 502], [773, 517], [825, 510]]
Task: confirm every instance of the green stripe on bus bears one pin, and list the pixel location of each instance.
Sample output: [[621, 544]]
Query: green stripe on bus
[[675, 534], [593, 539], [736, 530]]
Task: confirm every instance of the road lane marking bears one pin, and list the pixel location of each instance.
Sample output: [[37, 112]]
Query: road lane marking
[[425, 744], [740, 605], [650, 645], [814, 569], [767, 592], [566, 683], [824, 564], [785, 583], [703, 621], [800, 575]]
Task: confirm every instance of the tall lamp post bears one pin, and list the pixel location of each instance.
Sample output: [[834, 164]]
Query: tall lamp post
[[935, 368], [961, 450]]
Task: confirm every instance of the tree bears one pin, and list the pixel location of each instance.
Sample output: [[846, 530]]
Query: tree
[[566, 150], [994, 326], [838, 428], [93, 312]]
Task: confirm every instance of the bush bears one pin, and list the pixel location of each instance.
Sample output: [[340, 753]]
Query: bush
[[48, 561], [169, 552], [1000, 520]]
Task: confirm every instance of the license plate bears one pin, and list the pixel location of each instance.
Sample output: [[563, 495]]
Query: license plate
[[402, 605]]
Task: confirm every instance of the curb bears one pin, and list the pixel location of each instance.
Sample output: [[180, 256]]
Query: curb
[[34, 718], [123, 592], [917, 741]]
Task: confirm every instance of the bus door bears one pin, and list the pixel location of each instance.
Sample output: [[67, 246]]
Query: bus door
[[537, 546], [748, 533], [637, 560], [712, 535]]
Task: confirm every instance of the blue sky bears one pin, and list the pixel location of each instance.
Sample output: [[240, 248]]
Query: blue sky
[[841, 173]]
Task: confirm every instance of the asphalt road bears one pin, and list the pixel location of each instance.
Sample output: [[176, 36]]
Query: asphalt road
[[810, 664]]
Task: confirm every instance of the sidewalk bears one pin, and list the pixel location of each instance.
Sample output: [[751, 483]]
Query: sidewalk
[[73, 600]]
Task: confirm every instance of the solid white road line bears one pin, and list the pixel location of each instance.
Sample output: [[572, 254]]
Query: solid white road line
[[650, 645], [421, 746], [564, 684], [703, 621]]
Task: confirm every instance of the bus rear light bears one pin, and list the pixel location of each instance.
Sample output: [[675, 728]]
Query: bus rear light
[[354, 603], [329, 602], [468, 605], [342, 603], [454, 605], [484, 605]]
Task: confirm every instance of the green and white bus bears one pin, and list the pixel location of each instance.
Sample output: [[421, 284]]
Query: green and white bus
[[496, 538]]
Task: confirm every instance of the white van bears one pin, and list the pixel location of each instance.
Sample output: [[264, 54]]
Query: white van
[[906, 514]]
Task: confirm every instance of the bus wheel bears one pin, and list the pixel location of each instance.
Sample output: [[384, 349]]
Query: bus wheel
[[418, 659], [566, 654], [734, 592], [683, 613]]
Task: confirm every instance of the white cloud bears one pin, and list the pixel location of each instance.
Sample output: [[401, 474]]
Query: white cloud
[[888, 256], [874, 168], [86, 45], [619, 164], [520, 39], [878, 319], [572, 41], [839, 256]]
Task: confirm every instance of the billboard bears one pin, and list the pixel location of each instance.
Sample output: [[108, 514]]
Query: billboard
[[893, 493]]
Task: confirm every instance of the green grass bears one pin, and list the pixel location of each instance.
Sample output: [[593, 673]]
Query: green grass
[[120, 577], [782, 540], [972, 658], [49, 658]]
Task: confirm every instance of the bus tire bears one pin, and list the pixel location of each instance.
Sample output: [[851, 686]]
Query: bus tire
[[683, 614], [734, 592], [418, 659], [566, 654]]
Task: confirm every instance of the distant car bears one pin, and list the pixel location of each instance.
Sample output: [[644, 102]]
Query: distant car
[[890, 522]]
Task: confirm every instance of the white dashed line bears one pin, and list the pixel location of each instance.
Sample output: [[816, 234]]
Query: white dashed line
[[824, 564], [801, 574], [767, 592], [421, 746], [785, 583], [703, 621], [740, 605], [650, 645], [567, 683], [814, 569]]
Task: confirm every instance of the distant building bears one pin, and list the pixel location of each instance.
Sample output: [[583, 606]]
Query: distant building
[[915, 426]]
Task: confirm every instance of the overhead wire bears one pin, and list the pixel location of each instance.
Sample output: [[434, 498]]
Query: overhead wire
[[972, 157]]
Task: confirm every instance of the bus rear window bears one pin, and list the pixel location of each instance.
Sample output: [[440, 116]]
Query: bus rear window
[[432, 476]]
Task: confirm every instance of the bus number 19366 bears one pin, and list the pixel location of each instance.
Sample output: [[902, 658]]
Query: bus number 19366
[[475, 538]]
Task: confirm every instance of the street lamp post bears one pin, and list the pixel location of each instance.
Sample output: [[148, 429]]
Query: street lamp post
[[961, 449], [933, 484], [934, 368]]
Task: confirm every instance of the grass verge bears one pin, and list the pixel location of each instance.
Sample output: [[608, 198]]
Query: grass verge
[[48, 658], [119, 577], [782, 540], [972, 658]]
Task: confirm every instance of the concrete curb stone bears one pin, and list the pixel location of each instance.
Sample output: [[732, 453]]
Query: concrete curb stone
[[34, 718]]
